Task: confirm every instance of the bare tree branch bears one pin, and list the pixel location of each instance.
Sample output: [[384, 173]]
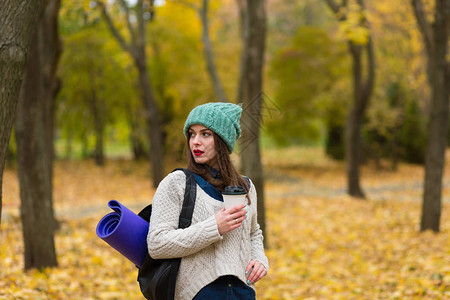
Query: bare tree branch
[[242, 8], [124, 5], [207, 47], [208, 52], [140, 46], [334, 7], [337, 9], [114, 30], [424, 26]]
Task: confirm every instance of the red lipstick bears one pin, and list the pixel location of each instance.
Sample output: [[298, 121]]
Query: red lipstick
[[198, 152]]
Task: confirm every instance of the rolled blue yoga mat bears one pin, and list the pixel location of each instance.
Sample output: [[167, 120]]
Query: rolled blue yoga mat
[[124, 231]]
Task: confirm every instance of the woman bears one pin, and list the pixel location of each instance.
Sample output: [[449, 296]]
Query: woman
[[222, 251]]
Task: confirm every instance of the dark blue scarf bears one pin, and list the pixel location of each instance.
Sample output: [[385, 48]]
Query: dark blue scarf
[[208, 187]]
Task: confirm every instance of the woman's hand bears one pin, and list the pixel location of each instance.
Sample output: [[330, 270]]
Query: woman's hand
[[255, 271], [228, 220]]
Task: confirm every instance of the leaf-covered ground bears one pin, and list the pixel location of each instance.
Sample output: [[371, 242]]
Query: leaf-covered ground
[[322, 244]]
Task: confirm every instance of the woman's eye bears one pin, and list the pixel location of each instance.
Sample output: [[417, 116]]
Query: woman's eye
[[206, 133]]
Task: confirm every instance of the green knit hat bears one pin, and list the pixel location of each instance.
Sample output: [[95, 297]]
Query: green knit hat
[[222, 118]]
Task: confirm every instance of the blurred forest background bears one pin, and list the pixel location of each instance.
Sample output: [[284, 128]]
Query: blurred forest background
[[351, 103]]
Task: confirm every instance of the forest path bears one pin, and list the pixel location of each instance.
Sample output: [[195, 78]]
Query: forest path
[[400, 191], [288, 187]]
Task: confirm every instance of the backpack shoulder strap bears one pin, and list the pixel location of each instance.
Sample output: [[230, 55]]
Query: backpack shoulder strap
[[146, 212], [190, 193]]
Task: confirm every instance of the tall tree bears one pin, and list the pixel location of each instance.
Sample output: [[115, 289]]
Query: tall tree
[[209, 57], [97, 106], [207, 48], [351, 13], [34, 137], [242, 8], [136, 47], [435, 36], [252, 97], [18, 20]]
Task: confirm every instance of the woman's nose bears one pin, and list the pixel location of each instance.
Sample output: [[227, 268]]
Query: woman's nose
[[196, 140]]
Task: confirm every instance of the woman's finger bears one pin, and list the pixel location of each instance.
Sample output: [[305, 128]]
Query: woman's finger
[[259, 274], [256, 272], [238, 214], [237, 208]]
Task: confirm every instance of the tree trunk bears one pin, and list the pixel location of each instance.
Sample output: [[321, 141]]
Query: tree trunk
[[137, 51], [353, 129], [242, 30], [33, 160], [362, 90], [99, 126], [18, 19], [137, 146], [34, 137], [51, 48], [152, 107], [154, 126], [361, 96], [436, 44], [136, 129], [209, 57], [254, 46]]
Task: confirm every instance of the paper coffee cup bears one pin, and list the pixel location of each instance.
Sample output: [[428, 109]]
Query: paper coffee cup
[[233, 195]]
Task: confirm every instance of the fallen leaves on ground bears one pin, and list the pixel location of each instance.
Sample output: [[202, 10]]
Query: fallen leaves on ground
[[322, 243]]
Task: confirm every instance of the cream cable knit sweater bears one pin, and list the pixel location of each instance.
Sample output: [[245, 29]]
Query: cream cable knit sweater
[[206, 255]]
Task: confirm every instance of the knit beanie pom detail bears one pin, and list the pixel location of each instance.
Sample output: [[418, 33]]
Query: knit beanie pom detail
[[222, 118]]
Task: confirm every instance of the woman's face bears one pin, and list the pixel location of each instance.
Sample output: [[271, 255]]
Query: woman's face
[[201, 144]]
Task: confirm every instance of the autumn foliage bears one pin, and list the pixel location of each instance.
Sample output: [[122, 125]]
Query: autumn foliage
[[322, 244]]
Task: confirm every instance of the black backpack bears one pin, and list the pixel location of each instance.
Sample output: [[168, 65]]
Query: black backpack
[[157, 277]]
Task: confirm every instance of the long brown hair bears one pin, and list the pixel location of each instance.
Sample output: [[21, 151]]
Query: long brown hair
[[228, 173]]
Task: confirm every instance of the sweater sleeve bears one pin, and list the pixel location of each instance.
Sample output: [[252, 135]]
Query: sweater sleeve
[[165, 239], [256, 234]]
